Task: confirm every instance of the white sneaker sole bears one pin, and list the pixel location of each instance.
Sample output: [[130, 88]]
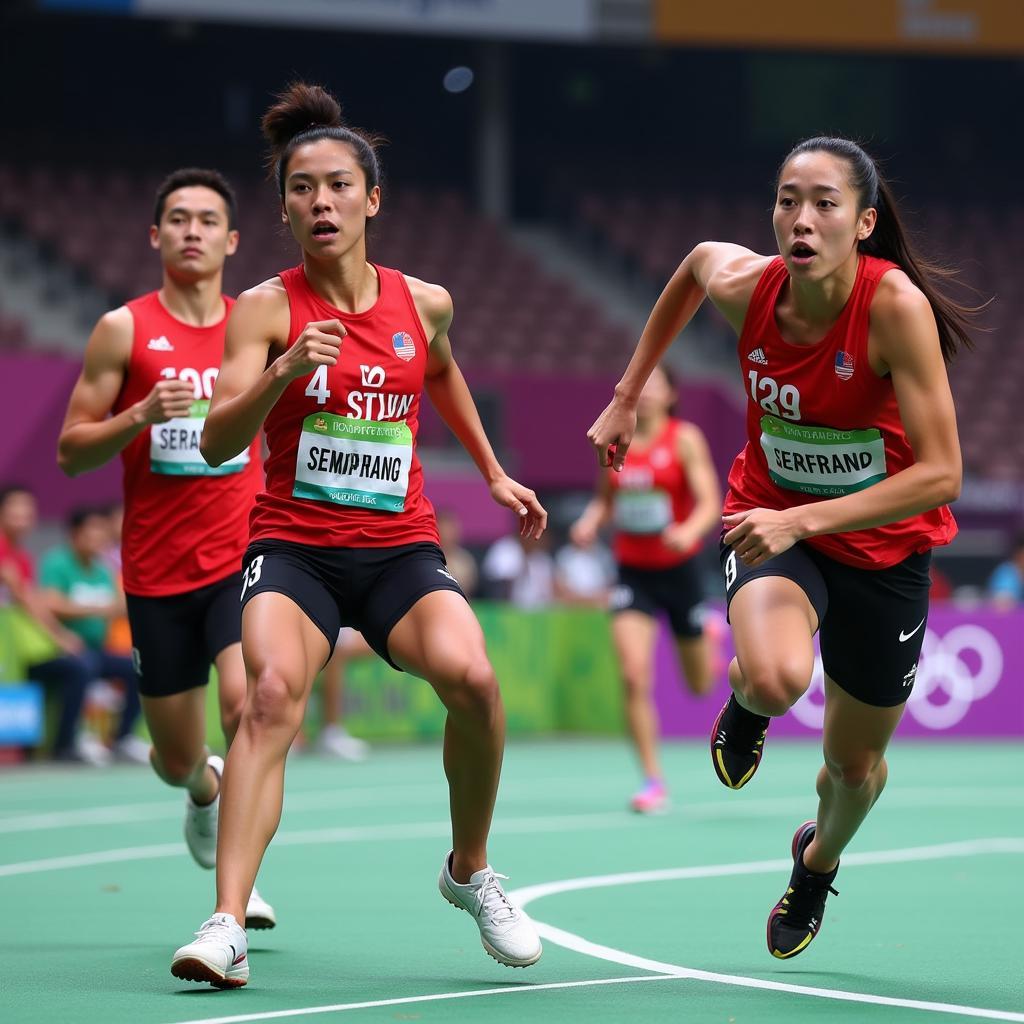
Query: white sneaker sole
[[195, 968], [493, 953], [260, 920]]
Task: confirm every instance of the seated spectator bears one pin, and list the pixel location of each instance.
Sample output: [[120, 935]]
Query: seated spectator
[[584, 574], [519, 570], [80, 590], [1006, 584]]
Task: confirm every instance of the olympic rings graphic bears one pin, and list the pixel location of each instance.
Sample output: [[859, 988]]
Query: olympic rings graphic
[[955, 670]]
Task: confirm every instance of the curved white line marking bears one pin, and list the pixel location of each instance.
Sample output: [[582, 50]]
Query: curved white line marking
[[577, 943]]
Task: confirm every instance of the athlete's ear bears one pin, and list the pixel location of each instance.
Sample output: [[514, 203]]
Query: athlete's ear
[[284, 213], [373, 201], [866, 223], [154, 236], [232, 244]]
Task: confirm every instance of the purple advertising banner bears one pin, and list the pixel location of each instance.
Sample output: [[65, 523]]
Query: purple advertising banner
[[970, 682]]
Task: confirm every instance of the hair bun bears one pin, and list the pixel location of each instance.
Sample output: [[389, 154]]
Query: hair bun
[[299, 108]]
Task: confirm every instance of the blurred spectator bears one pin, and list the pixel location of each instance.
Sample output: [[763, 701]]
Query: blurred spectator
[[461, 563], [520, 570], [80, 590], [584, 573], [1006, 584], [37, 638]]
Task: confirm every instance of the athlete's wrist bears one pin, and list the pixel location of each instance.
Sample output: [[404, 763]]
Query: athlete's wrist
[[803, 521], [627, 394]]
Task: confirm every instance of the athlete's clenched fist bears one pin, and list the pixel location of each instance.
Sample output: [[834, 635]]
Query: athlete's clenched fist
[[319, 344]]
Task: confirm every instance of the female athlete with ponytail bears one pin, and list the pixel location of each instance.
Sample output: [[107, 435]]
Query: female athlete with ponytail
[[331, 357], [841, 492]]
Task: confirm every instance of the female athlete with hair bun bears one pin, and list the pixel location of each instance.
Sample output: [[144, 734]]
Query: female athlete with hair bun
[[331, 357]]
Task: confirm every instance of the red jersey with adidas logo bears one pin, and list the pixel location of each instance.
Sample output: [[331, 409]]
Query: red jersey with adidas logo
[[650, 493], [185, 523], [821, 424], [342, 469]]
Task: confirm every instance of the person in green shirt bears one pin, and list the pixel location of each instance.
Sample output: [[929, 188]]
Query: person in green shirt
[[80, 591]]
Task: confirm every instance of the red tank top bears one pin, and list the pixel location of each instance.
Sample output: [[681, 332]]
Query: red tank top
[[184, 521], [821, 423], [651, 492], [343, 469]]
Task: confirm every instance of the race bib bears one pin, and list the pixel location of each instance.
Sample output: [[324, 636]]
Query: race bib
[[821, 460], [642, 511], [174, 447], [364, 463]]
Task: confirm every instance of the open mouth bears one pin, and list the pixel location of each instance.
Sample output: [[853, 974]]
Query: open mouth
[[801, 252], [324, 229]]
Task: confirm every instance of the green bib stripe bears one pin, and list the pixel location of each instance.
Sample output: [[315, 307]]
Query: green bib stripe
[[174, 447], [822, 461], [347, 461]]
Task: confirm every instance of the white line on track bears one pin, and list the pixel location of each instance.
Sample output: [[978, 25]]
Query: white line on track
[[506, 991], [127, 814], [311, 837], [675, 972], [568, 940]]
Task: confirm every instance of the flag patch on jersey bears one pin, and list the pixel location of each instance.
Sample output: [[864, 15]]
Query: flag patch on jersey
[[758, 356], [405, 348], [844, 365]]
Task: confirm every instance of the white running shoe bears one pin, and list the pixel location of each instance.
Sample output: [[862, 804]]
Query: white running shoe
[[201, 822], [90, 750], [258, 912], [506, 932], [131, 749], [218, 954], [335, 741]]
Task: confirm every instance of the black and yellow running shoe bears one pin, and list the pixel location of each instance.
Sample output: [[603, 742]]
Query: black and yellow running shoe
[[796, 918], [737, 740]]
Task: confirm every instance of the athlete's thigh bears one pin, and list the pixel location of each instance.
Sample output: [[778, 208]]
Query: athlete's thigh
[[774, 611], [854, 730], [278, 636], [634, 634], [230, 674], [438, 637], [167, 643], [773, 624], [177, 724]]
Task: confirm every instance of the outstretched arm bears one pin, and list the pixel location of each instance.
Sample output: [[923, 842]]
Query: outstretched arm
[[450, 394], [91, 437], [724, 272]]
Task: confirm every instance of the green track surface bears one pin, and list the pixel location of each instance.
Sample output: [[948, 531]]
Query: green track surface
[[353, 871]]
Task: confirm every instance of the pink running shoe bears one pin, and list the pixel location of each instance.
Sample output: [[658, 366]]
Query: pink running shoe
[[652, 798]]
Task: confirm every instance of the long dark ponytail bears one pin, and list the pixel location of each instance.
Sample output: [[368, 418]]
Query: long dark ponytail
[[889, 240]]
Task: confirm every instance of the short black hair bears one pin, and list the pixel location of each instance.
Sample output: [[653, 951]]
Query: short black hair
[[79, 516], [208, 178], [8, 489]]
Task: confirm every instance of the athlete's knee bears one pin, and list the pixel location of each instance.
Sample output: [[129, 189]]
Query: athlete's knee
[[636, 679], [273, 703], [177, 767], [775, 686], [857, 771], [472, 687], [231, 714]]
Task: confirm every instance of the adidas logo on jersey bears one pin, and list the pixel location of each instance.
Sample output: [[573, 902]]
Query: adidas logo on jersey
[[160, 344], [758, 356]]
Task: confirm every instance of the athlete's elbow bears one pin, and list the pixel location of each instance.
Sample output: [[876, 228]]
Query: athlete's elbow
[[947, 485], [68, 464], [209, 452]]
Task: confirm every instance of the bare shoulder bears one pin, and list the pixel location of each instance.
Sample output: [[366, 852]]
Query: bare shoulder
[[111, 338], [898, 301], [264, 297], [903, 327], [690, 439], [433, 302], [731, 272], [266, 304]]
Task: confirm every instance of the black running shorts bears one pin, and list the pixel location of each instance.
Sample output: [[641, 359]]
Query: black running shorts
[[676, 591], [369, 589], [175, 639], [871, 621]]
